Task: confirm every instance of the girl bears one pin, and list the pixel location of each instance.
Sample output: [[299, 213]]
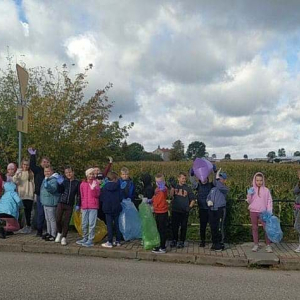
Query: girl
[[89, 204], [259, 199], [297, 209], [24, 179], [11, 170]]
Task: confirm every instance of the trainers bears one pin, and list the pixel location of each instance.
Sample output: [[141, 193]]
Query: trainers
[[158, 250], [117, 244], [28, 230], [212, 248], [255, 248], [64, 241], [269, 249], [180, 245], [297, 250], [173, 244], [58, 238], [107, 245], [50, 238], [22, 231], [39, 234], [46, 235], [89, 243], [82, 241], [202, 244]]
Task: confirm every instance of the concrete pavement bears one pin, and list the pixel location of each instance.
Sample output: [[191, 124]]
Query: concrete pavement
[[239, 255]]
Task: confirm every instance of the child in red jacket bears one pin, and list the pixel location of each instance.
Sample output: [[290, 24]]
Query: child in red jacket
[[160, 207]]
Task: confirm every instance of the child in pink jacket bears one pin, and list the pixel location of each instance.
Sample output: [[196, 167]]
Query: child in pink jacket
[[89, 192], [259, 199]]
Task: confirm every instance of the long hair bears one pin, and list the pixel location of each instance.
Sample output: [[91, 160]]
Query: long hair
[[30, 173]]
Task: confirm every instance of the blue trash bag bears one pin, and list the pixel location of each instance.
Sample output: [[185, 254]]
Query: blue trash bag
[[129, 221], [273, 229]]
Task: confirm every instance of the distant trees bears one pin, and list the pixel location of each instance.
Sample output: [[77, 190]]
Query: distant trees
[[227, 156], [245, 156], [177, 151], [297, 153], [281, 152], [271, 154], [196, 149]]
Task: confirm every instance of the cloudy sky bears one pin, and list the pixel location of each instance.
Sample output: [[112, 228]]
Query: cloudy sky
[[223, 72]]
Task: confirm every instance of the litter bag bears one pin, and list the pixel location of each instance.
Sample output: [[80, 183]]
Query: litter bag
[[202, 168], [129, 221], [149, 230], [100, 230], [273, 229]]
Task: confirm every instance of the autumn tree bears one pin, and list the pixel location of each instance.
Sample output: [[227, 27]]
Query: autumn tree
[[177, 151]]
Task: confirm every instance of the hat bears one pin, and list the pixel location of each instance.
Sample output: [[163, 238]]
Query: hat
[[223, 175], [89, 171]]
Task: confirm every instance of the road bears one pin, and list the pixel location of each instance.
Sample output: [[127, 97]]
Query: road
[[41, 276]]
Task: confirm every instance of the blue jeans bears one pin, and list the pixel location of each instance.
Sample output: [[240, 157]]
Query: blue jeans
[[89, 219], [40, 215], [112, 221]]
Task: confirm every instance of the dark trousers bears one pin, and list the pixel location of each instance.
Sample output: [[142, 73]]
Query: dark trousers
[[112, 223], [40, 215], [162, 224], [101, 214], [204, 217], [63, 217], [27, 209], [179, 220], [216, 222]]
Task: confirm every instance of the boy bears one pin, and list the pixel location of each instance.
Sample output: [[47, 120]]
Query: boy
[[111, 204], [216, 202], [160, 207], [126, 185], [183, 201]]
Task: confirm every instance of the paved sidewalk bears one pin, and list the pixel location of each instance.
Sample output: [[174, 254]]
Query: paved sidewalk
[[239, 255]]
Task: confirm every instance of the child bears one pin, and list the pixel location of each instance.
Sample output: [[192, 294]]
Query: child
[[10, 204], [216, 202], [297, 209], [111, 204], [11, 170], [160, 207], [148, 190], [183, 201], [49, 199], [259, 199], [127, 185], [69, 189], [89, 195], [24, 179]]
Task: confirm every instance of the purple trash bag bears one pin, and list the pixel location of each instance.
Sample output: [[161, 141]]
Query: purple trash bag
[[202, 168]]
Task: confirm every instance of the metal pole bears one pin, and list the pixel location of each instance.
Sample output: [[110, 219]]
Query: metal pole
[[20, 149]]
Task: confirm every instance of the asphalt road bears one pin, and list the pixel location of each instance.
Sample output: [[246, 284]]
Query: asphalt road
[[41, 276]]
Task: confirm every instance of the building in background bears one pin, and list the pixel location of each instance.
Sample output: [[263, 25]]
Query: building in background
[[164, 153]]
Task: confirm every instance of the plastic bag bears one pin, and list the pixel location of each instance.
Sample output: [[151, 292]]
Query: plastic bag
[[100, 229], [129, 221], [202, 168], [273, 229], [149, 229]]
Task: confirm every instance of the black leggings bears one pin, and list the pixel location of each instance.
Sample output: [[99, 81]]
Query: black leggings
[[28, 208], [179, 220]]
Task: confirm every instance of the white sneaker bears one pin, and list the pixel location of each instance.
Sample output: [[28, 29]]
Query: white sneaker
[[107, 245], [58, 238], [117, 244], [255, 248], [28, 229], [23, 230], [297, 250], [64, 241], [269, 249]]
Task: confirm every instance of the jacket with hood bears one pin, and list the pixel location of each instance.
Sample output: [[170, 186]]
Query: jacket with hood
[[203, 190], [127, 189], [38, 172], [10, 202], [159, 200], [69, 191], [25, 184], [89, 196], [111, 198], [261, 200], [148, 190], [49, 191], [218, 195]]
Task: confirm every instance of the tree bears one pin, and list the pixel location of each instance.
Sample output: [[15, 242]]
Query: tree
[[227, 156], [63, 124], [271, 154], [177, 151], [281, 152], [214, 156], [245, 156], [147, 156], [297, 153], [134, 152], [196, 149]]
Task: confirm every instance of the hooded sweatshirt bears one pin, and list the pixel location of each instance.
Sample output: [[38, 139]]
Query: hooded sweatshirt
[[261, 200], [25, 184], [49, 191], [10, 202], [110, 198]]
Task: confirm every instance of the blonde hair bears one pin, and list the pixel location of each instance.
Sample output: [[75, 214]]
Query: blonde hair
[[125, 170], [30, 173], [159, 176]]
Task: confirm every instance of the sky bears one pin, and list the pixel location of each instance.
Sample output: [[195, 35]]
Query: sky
[[224, 72]]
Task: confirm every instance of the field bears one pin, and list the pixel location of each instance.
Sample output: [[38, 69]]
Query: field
[[280, 179]]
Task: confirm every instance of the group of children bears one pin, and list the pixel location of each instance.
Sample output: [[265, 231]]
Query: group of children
[[100, 195]]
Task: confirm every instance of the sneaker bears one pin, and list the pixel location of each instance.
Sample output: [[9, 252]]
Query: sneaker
[[297, 250], [64, 241], [218, 248], [28, 230], [255, 248], [89, 243], [46, 235], [202, 244], [269, 249], [107, 245], [212, 248], [58, 238], [180, 245], [158, 250], [39, 234], [50, 238], [22, 231], [117, 244], [82, 241], [173, 244]]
